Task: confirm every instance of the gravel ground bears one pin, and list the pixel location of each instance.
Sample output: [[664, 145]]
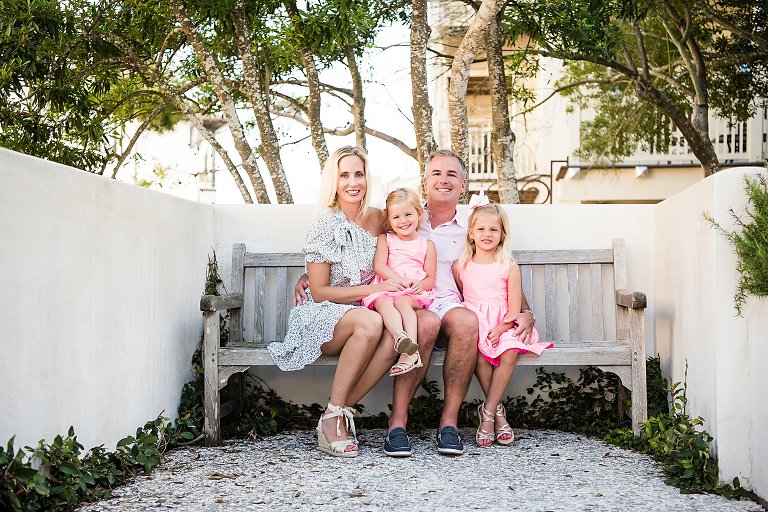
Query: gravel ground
[[541, 471]]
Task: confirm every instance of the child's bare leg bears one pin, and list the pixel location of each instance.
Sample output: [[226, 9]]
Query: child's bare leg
[[499, 382], [484, 372], [407, 306], [393, 322], [502, 374]]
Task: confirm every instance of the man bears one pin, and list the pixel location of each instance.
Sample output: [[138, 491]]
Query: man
[[446, 322]]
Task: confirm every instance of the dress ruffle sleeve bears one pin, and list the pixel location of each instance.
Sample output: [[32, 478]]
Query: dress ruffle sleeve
[[331, 238]]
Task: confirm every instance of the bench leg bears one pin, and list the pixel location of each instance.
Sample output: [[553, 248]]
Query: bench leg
[[639, 385], [211, 399]]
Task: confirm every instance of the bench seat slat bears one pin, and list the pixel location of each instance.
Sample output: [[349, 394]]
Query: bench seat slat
[[563, 354]]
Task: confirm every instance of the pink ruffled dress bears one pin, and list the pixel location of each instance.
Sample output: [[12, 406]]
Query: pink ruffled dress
[[406, 257], [485, 293]]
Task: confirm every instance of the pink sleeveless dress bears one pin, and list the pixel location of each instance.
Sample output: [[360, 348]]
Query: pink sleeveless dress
[[485, 293], [406, 257]]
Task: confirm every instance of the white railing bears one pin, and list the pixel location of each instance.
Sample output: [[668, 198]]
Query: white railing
[[480, 166], [735, 142], [743, 142]]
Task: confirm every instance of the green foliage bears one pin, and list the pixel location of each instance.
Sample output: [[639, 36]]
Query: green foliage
[[49, 97], [604, 44], [588, 406], [265, 413], [750, 242], [679, 443]]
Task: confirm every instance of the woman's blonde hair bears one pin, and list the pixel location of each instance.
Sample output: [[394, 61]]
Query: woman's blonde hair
[[329, 179], [503, 252], [403, 195]]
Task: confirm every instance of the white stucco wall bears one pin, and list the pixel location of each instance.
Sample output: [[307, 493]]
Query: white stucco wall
[[99, 311], [621, 184], [695, 280], [101, 280]]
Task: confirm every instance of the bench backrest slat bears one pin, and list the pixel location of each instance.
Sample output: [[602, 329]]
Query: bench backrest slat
[[526, 272], [236, 316], [573, 301], [564, 288], [620, 282], [281, 302], [550, 307], [259, 287], [596, 271]]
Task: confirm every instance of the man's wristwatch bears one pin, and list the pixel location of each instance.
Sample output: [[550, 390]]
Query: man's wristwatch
[[531, 312]]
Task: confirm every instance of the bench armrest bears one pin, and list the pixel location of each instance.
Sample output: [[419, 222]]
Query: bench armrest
[[631, 300], [219, 302]]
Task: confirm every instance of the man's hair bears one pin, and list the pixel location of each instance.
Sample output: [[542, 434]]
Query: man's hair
[[451, 154]]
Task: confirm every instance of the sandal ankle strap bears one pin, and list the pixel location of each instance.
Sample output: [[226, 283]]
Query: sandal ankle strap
[[338, 412]]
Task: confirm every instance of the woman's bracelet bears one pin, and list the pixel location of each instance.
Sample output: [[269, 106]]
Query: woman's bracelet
[[531, 312]]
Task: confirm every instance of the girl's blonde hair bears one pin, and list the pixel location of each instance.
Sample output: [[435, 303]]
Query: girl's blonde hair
[[329, 179], [503, 252], [403, 195]]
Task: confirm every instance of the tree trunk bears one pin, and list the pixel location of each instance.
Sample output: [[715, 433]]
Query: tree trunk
[[462, 61], [358, 100], [421, 108], [502, 137], [701, 147], [216, 79], [313, 84], [253, 87], [696, 128]]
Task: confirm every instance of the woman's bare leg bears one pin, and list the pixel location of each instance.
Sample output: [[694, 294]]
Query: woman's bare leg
[[379, 365], [355, 339]]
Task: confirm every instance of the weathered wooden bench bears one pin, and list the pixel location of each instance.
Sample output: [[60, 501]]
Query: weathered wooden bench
[[578, 296]]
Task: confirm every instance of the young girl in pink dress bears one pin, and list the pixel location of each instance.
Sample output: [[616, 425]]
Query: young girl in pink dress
[[490, 282], [402, 256]]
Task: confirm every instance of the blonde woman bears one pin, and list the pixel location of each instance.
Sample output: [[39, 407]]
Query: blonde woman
[[339, 250]]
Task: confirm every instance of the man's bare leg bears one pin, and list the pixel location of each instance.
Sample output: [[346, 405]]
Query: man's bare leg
[[459, 326], [405, 386]]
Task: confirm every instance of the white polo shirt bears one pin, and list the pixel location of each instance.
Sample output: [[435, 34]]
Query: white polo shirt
[[449, 239]]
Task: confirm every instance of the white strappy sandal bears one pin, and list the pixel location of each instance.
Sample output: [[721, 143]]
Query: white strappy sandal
[[338, 448], [501, 412]]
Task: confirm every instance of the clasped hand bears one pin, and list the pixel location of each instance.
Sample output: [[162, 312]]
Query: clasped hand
[[401, 283]]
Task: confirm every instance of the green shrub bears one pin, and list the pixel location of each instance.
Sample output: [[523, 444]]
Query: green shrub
[[750, 242]]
